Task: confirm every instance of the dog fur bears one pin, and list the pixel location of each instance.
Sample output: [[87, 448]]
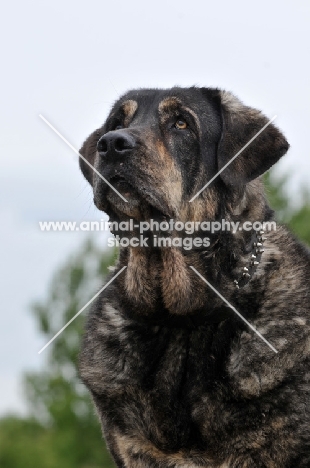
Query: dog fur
[[178, 379]]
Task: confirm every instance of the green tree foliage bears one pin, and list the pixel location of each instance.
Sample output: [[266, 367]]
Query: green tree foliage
[[62, 429], [296, 218], [26, 443]]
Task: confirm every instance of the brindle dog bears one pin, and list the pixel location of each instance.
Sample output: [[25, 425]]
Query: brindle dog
[[178, 379]]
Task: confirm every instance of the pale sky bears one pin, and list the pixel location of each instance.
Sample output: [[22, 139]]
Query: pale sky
[[69, 61]]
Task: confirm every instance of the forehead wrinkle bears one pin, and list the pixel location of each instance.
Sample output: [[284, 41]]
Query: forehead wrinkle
[[195, 117], [129, 108], [168, 103]]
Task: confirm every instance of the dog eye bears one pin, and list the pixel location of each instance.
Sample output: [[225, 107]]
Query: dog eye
[[118, 127], [181, 124]]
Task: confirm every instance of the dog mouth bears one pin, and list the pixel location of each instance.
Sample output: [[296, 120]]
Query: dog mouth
[[123, 186], [120, 181], [138, 197]]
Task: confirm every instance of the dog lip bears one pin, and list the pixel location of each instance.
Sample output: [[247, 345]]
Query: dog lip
[[118, 178], [119, 181]]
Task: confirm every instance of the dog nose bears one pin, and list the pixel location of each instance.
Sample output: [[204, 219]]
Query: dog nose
[[116, 142]]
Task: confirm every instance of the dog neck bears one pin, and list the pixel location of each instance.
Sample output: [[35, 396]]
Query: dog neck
[[164, 276]]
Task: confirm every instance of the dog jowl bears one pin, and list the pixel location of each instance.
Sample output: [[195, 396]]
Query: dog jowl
[[178, 379]]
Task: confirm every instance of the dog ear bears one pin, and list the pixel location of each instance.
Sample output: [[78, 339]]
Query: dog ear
[[88, 151], [239, 124]]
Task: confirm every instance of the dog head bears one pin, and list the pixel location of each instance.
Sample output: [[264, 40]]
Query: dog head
[[158, 148]]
